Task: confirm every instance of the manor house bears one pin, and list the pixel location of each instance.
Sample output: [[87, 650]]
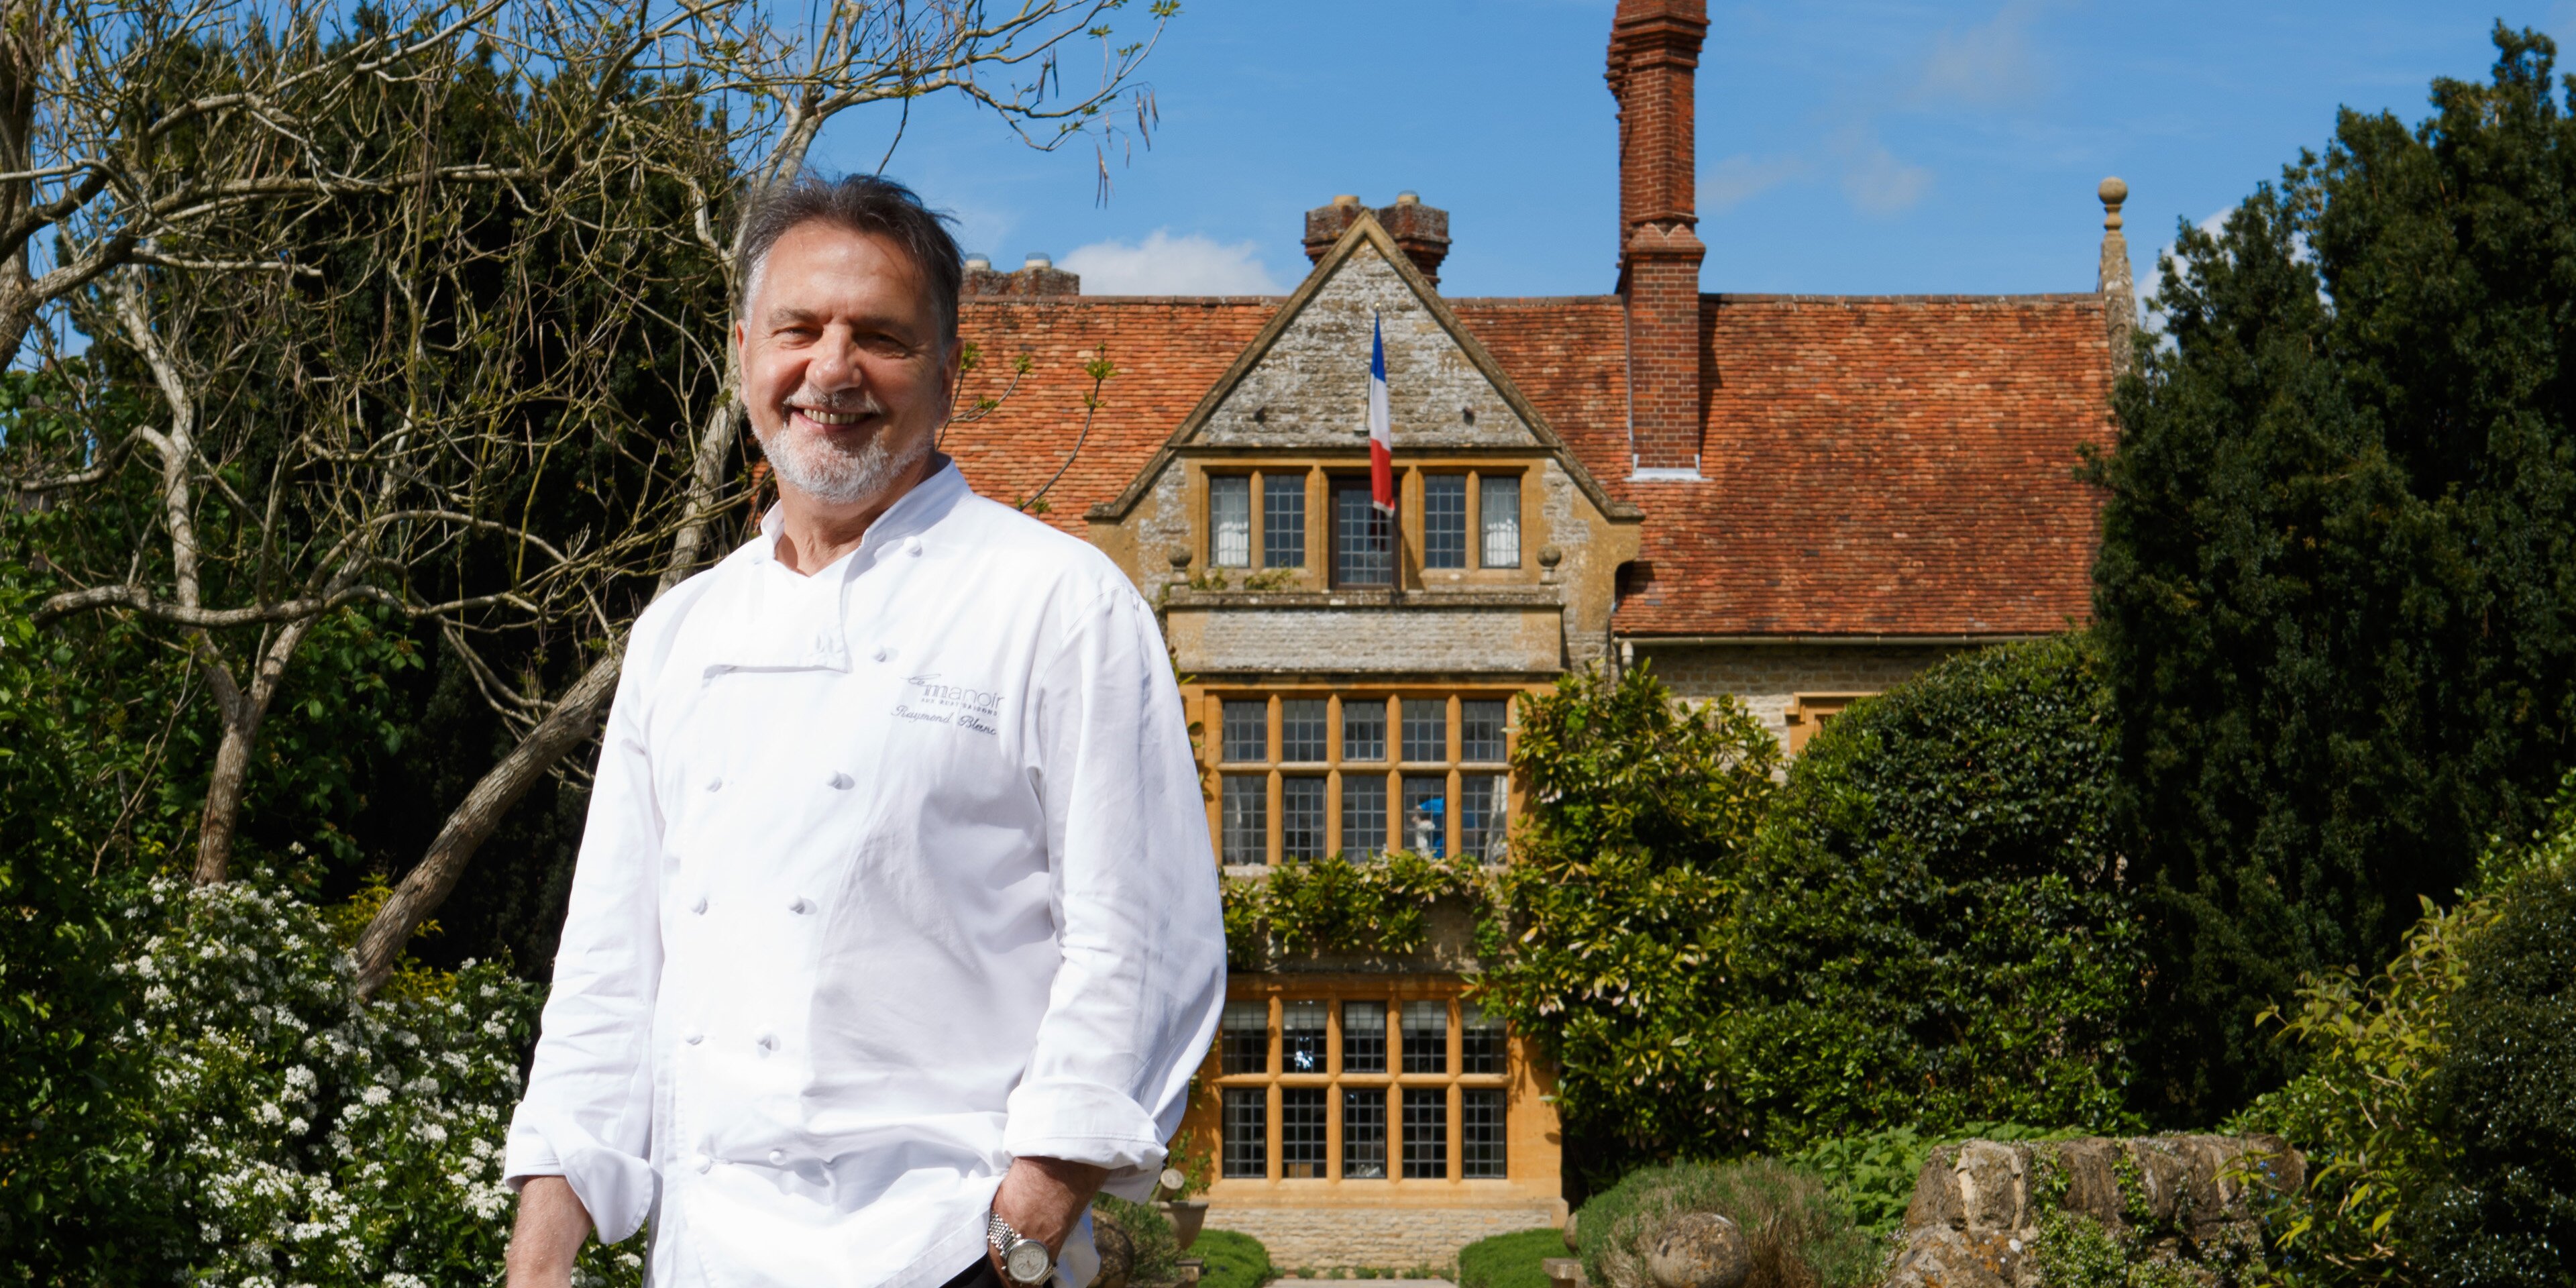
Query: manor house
[[1794, 500]]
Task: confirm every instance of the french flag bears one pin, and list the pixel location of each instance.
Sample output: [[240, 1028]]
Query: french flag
[[1381, 435]]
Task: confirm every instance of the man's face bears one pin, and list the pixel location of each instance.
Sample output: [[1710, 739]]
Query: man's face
[[845, 371]]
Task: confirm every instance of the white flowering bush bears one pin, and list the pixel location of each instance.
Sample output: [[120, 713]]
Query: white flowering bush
[[302, 1138]]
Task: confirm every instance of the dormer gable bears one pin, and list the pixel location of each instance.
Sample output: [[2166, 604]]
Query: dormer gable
[[1302, 384]]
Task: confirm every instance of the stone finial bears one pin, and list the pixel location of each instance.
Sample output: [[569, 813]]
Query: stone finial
[[2119, 294]]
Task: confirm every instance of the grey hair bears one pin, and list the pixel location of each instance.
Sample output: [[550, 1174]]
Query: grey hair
[[860, 203]]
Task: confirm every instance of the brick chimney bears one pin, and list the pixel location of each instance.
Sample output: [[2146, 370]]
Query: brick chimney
[[1654, 54], [1420, 231]]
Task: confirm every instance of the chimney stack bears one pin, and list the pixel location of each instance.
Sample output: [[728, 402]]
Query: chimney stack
[[1037, 275], [1420, 231], [1654, 56]]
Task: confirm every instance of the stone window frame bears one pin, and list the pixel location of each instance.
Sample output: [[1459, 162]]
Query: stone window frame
[[1393, 770], [1453, 1082], [1316, 572]]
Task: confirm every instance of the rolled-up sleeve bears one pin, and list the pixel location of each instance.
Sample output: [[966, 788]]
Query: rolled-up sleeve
[[1135, 1001], [587, 1114]]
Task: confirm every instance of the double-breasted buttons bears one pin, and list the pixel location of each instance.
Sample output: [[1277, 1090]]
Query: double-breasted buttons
[[841, 782], [693, 1037], [768, 1042], [799, 906], [700, 906], [703, 1162]]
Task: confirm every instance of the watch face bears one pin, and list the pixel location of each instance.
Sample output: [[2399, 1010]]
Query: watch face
[[1027, 1261]]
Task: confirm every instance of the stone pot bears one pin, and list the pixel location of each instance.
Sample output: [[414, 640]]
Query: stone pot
[[1187, 1216]]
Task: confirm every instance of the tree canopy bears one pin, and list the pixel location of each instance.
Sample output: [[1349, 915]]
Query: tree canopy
[[2337, 585]]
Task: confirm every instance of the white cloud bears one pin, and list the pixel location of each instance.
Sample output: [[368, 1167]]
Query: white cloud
[[1741, 177], [1191, 264], [1988, 63], [1875, 181]]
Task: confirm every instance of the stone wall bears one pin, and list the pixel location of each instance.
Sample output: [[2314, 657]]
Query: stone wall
[[1983, 1212], [1768, 677], [1383, 1237]]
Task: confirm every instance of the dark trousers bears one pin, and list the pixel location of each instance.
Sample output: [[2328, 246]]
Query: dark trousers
[[979, 1275]]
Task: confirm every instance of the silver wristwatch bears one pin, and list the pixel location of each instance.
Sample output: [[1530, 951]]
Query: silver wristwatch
[[1025, 1262]]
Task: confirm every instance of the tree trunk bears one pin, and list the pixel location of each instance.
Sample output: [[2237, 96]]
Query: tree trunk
[[224, 796], [471, 823]]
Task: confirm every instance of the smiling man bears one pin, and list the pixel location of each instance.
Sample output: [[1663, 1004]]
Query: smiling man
[[894, 936]]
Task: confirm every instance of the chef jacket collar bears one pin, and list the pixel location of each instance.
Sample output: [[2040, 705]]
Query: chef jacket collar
[[792, 622]]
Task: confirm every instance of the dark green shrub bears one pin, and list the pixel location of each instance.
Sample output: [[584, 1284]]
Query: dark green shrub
[[1797, 1234], [2333, 584], [2505, 1099], [1509, 1260], [1232, 1260], [1932, 929], [1616, 902]]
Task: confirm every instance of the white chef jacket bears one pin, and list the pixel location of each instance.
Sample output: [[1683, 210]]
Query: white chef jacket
[[892, 874]]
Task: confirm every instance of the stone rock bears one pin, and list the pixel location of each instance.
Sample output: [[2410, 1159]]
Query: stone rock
[[1938, 1256], [1117, 1251], [1699, 1250], [1570, 1244], [1562, 1272]]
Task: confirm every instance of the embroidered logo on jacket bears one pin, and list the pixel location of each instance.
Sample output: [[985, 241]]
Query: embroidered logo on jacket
[[961, 705]]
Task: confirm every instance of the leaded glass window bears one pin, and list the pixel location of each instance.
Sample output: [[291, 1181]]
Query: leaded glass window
[[1426, 807], [1480, 1133], [1444, 521], [1302, 730], [1426, 1134], [1363, 729], [1499, 508], [1480, 1041], [1480, 729], [1426, 729], [1247, 730], [1426, 1037], [1301, 818], [1247, 818], [1243, 1038], [1364, 1134], [1363, 814], [1363, 545], [1247, 1131], [1301, 1132], [1230, 521], [1483, 802], [1364, 1039], [1283, 521]]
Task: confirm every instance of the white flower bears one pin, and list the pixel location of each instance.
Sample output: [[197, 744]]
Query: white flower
[[376, 1095], [433, 1133], [269, 1114], [296, 1126]]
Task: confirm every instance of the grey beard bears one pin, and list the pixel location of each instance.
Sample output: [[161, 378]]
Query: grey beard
[[813, 466]]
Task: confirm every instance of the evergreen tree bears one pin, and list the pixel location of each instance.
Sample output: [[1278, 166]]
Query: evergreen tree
[[2337, 587]]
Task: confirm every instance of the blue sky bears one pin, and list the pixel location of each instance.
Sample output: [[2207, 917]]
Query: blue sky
[[1844, 145]]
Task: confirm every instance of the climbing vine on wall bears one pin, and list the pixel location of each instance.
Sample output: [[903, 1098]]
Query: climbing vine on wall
[[1379, 905]]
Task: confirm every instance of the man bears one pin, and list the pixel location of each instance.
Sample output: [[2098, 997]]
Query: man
[[894, 934]]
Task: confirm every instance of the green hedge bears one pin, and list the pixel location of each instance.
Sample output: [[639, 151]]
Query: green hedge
[[1509, 1260], [1232, 1260], [1932, 929], [2505, 1098]]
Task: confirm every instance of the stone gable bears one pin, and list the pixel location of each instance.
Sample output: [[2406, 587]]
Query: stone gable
[[1310, 389]]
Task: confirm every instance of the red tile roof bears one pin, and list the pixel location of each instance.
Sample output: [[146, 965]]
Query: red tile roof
[[1167, 352], [1871, 465]]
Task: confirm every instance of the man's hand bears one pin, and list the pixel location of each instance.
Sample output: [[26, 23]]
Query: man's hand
[[1043, 1199], [552, 1226]]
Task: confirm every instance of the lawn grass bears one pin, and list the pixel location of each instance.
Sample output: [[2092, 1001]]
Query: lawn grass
[[1509, 1260], [1232, 1260]]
